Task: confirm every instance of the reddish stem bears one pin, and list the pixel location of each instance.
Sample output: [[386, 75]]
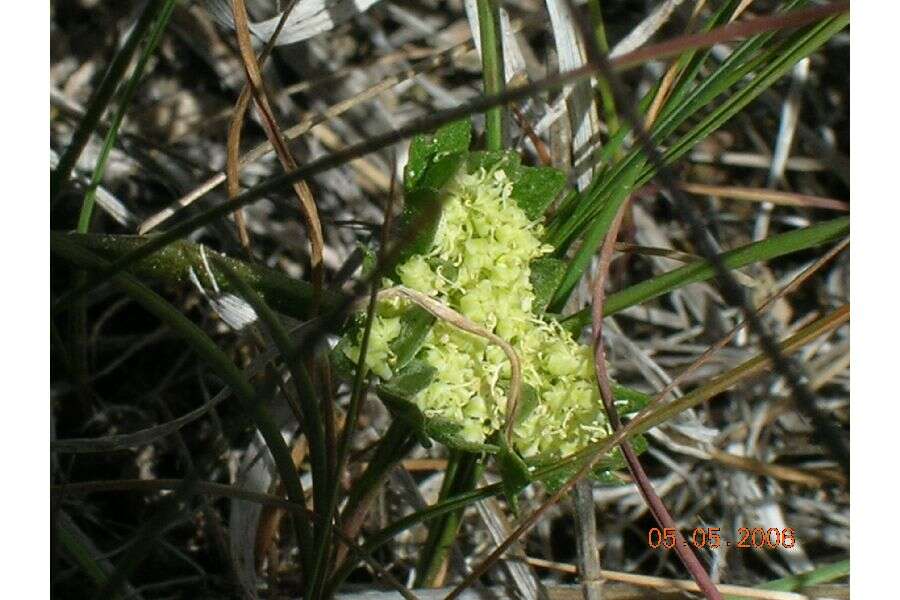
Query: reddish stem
[[654, 502]]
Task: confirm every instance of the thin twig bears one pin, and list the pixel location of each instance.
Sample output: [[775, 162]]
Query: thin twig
[[654, 502], [307, 204]]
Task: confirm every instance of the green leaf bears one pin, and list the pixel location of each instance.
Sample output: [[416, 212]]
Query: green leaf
[[546, 275], [409, 381], [528, 401], [514, 472], [440, 171], [453, 137], [554, 478], [536, 188], [343, 367], [419, 222], [447, 432], [397, 392], [370, 259], [415, 323], [397, 395], [629, 401]]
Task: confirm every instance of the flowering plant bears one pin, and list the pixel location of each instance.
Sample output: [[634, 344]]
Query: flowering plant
[[460, 340]]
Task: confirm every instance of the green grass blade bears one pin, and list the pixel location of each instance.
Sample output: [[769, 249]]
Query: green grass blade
[[312, 423], [492, 69], [156, 31], [767, 249], [595, 235], [172, 265], [207, 349], [792, 583], [101, 98], [81, 551]]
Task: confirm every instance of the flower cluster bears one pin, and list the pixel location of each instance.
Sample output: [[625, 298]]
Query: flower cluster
[[479, 266]]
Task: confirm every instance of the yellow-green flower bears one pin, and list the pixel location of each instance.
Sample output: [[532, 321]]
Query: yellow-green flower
[[487, 241]]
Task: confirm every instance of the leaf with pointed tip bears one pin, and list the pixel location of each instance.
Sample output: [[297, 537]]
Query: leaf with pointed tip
[[415, 323], [536, 188], [440, 171], [629, 401], [546, 275], [397, 395], [419, 222], [451, 138], [515, 473]]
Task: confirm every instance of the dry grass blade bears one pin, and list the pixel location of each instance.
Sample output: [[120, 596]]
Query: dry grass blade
[[663, 584], [646, 28], [671, 76], [232, 164], [233, 145], [271, 516], [765, 195], [526, 582], [582, 108], [780, 472], [307, 204], [770, 301], [624, 62], [306, 125]]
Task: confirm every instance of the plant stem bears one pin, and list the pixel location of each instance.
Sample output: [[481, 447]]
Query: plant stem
[[462, 472], [606, 96], [172, 266], [79, 314], [156, 31], [492, 69], [393, 446]]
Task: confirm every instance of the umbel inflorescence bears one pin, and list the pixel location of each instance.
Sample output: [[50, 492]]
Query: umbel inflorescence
[[479, 265]]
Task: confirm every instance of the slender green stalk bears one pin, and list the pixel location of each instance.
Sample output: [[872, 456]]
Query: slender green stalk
[[492, 69], [173, 264], [101, 98], [607, 102], [319, 572], [702, 270], [397, 441], [77, 547], [392, 447], [156, 31], [460, 477], [312, 419], [792, 583], [252, 403], [592, 240], [78, 322]]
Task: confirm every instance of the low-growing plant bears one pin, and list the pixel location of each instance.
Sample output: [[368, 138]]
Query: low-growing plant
[[458, 321]]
